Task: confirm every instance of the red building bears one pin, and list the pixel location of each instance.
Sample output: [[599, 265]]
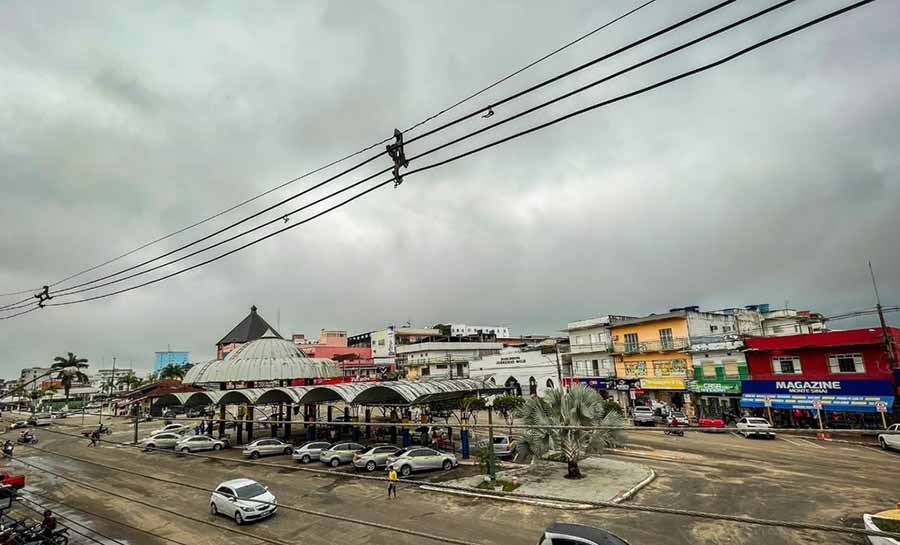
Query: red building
[[846, 373]]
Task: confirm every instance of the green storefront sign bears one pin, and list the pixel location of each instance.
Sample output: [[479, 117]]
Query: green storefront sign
[[725, 387]]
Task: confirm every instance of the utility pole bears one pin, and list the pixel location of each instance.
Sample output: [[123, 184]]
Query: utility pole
[[558, 367], [886, 337]]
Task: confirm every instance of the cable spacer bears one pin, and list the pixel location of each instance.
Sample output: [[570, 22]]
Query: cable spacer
[[489, 113], [43, 296], [398, 155]]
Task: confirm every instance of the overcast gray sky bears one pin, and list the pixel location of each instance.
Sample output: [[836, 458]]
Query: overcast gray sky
[[770, 179]]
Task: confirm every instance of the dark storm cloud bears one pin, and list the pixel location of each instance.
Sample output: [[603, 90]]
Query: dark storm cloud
[[773, 178]]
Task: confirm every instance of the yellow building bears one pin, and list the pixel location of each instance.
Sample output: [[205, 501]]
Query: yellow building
[[651, 357]]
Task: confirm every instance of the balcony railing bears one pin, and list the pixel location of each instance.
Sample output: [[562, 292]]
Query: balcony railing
[[590, 347], [664, 345]]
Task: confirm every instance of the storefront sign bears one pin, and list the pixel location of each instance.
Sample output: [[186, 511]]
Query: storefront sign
[[602, 384], [714, 387], [510, 360], [834, 395], [662, 383]]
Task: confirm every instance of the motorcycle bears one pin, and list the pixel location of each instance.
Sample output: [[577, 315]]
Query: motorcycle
[[27, 440], [20, 534]]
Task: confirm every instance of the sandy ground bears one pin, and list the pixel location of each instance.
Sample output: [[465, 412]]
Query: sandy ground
[[789, 478]]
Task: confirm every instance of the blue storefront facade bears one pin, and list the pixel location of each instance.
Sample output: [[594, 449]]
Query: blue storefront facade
[[862, 396]]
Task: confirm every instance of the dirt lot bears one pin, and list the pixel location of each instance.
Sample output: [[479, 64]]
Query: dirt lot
[[789, 478]]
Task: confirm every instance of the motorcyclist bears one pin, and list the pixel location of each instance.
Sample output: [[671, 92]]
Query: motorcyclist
[[8, 448], [48, 525]]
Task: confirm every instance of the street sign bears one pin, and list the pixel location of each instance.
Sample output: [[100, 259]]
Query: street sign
[[881, 407], [817, 404]]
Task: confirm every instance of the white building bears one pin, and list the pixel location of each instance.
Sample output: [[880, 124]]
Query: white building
[[789, 321], [31, 375], [465, 330], [441, 358], [590, 346], [522, 372], [385, 342]]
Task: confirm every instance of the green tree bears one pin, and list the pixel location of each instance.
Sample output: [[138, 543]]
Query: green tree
[[130, 381], [468, 409], [577, 406], [172, 372], [69, 368], [611, 405], [507, 406]]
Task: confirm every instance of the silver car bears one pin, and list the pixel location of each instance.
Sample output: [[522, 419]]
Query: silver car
[[420, 459], [374, 457], [161, 440], [340, 453], [310, 451], [170, 428], [197, 443], [267, 447]]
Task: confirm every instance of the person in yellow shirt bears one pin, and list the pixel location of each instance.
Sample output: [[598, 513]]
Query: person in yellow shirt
[[392, 483]]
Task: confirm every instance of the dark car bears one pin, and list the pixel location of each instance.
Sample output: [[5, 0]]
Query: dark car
[[560, 533]]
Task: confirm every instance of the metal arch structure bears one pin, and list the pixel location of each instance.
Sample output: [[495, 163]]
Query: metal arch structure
[[241, 396], [203, 399], [282, 394], [346, 392], [417, 393], [170, 400]]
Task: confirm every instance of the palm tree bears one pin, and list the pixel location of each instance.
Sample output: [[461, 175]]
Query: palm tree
[[70, 371], [172, 372], [130, 381], [577, 406]]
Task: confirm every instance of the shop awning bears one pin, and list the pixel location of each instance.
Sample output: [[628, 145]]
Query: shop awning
[[862, 396]]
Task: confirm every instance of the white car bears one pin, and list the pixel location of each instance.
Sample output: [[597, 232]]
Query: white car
[[196, 443], [750, 425], [161, 440], [170, 428], [243, 500], [680, 418], [267, 447], [889, 440]]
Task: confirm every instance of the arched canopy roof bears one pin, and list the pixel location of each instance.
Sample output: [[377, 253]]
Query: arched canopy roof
[[174, 399], [241, 396]]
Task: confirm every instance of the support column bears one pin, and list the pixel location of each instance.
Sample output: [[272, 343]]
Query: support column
[[368, 421], [287, 425], [239, 425], [250, 423], [464, 441], [221, 421]]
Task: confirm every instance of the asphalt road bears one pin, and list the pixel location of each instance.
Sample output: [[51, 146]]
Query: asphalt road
[[788, 478]]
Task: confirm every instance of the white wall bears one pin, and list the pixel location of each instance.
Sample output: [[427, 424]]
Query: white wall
[[702, 324], [523, 366]]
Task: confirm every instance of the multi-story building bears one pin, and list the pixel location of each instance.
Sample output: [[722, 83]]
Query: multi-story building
[[169, 357], [848, 375], [442, 358], [464, 330], [531, 371], [107, 379], [384, 343], [34, 378], [354, 360], [719, 366], [590, 358]]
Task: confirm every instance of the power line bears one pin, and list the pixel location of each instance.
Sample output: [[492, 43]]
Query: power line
[[346, 157], [628, 507], [542, 126], [377, 525], [102, 517], [69, 290], [70, 521]]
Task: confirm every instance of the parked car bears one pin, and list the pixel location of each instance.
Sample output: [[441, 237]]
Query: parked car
[[887, 440], [419, 459], [14, 481], [161, 440], [504, 446], [310, 451], [643, 416], [40, 420], [243, 500], [197, 443], [750, 425], [679, 417], [374, 457], [340, 453], [18, 424], [267, 447], [170, 428], [710, 423], [423, 435], [560, 533]]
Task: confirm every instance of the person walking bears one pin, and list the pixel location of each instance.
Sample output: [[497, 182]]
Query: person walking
[[95, 438], [392, 483], [48, 525]]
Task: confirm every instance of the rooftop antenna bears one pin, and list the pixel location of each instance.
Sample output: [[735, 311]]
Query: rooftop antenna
[[278, 319]]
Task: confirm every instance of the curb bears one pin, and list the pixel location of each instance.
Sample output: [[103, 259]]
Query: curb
[[513, 499], [635, 489]]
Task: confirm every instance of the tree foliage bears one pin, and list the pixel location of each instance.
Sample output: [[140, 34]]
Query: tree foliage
[[577, 406], [469, 407], [69, 371], [507, 406], [130, 381], [172, 372]]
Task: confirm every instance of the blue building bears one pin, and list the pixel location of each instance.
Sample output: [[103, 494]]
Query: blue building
[[164, 359]]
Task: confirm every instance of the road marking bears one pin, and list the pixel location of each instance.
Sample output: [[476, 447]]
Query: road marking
[[734, 433], [808, 442], [796, 444]]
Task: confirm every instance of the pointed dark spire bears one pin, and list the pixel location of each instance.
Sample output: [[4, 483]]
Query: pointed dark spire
[[251, 328]]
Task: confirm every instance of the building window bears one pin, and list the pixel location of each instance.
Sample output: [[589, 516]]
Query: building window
[[846, 363], [550, 383], [631, 342], [425, 371], [665, 339], [731, 370], [778, 329], [786, 365], [726, 328], [709, 369], [595, 338], [713, 328], [595, 367], [579, 339]]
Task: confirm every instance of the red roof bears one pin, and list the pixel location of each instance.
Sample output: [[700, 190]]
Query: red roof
[[850, 337]]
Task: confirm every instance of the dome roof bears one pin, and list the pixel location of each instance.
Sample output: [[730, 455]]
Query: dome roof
[[262, 360]]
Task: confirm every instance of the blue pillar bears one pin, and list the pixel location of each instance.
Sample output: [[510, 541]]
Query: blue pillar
[[356, 434], [406, 441], [464, 442]]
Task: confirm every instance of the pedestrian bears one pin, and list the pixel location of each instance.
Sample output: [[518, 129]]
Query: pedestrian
[[392, 483], [95, 438], [48, 525]]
